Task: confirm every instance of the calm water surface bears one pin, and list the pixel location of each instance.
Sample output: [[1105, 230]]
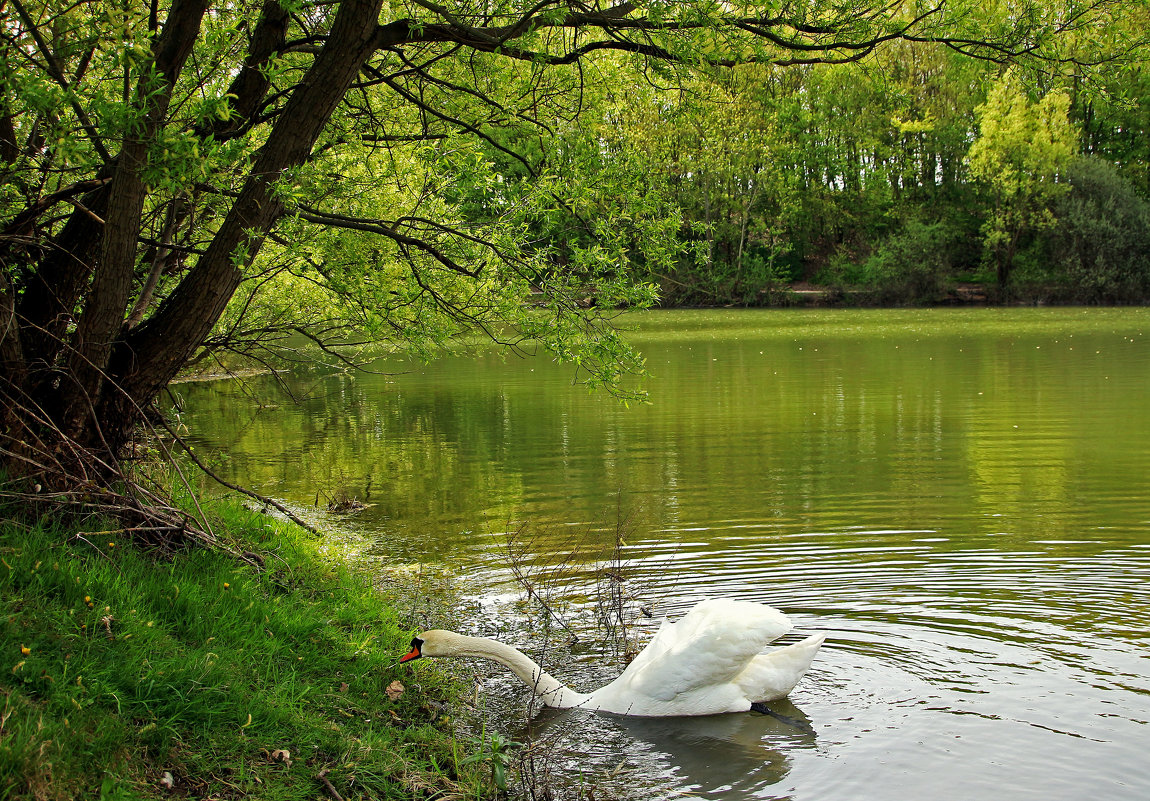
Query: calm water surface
[[959, 497]]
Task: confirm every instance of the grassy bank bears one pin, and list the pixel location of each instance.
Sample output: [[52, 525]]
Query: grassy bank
[[127, 674]]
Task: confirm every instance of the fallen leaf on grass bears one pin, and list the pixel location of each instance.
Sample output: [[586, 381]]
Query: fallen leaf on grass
[[394, 691], [280, 755]]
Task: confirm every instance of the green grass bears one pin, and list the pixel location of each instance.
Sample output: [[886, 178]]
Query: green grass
[[118, 665]]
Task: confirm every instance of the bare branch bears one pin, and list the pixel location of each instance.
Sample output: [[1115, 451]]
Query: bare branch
[[383, 229]]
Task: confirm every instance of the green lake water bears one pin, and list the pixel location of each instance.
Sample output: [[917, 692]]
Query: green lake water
[[961, 498]]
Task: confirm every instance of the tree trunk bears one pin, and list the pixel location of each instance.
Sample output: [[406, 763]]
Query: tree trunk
[[86, 379], [108, 297], [151, 355], [47, 306]]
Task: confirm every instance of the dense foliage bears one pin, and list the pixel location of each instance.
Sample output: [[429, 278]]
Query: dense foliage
[[901, 177]]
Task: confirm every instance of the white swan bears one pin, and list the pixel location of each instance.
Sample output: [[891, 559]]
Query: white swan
[[707, 662]]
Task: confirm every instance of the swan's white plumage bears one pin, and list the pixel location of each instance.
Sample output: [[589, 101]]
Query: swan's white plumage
[[708, 646], [705, 663]]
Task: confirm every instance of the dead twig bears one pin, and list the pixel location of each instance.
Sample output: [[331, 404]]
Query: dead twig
[[286, 512], [321, 777]]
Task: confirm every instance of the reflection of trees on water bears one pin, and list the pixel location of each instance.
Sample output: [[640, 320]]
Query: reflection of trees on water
[[748, 434], [424, 462], [718, 756]]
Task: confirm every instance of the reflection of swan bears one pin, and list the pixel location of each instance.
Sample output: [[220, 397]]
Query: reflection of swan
[[705, 663], [723, 756]]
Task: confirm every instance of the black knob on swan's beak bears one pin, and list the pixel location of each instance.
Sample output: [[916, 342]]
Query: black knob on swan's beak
[[415, 652]]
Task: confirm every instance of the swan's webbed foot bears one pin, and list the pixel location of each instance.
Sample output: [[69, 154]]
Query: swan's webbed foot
[[801, 725]]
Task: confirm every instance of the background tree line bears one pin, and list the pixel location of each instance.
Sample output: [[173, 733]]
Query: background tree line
[[896, 179]]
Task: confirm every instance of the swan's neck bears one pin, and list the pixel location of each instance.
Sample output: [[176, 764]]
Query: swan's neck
[[549, 689]]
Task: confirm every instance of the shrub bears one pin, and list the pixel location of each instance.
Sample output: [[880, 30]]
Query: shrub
[[916, 263], [1099, 246]]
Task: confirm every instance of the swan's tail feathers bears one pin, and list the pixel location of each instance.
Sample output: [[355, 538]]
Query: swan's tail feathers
[[806, 649], [774, 674]]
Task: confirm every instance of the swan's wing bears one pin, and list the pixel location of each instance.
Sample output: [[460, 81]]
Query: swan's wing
[[709, 645], [774, 674]]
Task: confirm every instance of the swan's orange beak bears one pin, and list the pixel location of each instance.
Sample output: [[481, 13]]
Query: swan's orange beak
[[414, 653]]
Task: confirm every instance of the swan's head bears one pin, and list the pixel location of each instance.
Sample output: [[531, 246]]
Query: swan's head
[[432, 643]]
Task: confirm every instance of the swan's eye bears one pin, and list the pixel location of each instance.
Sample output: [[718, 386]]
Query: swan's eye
[[416, 643]]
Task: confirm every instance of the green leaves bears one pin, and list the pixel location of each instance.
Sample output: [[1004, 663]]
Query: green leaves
[[1021, 143], [518, 171], [1021, 154]]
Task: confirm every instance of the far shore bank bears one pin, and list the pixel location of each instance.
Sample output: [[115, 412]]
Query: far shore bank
[[804, 294]]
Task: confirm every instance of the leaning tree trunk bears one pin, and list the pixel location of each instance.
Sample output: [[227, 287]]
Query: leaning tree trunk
[[86, 383], [151, 355]]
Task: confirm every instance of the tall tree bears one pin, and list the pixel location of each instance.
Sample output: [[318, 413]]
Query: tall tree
[[1021, 154]]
